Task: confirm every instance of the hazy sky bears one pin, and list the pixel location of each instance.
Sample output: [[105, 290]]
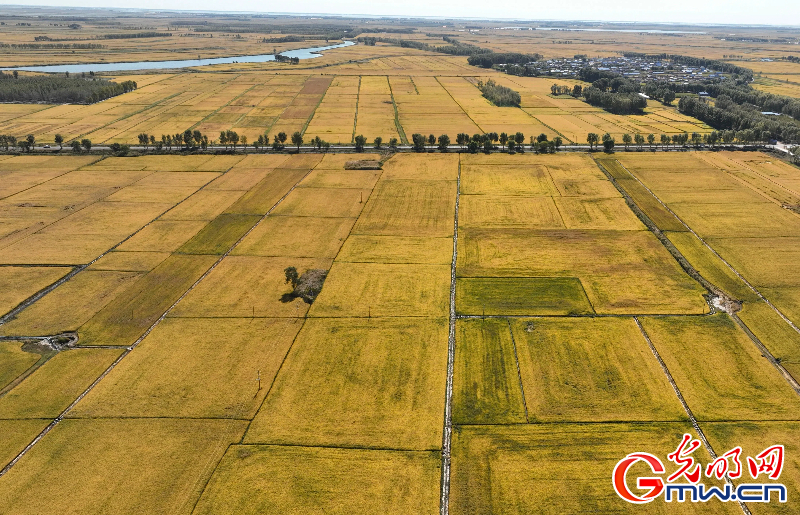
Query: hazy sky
[[775, 12]]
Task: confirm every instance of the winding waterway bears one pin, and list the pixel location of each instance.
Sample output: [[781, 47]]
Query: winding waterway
[[302, 53]]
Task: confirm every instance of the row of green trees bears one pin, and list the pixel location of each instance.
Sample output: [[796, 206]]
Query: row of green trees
[[712, 139], [59, 89]]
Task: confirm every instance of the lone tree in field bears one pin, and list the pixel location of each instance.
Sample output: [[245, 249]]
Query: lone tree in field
[[378, 141], [444, 142], [291, 276], [297, 140], [59, 139], [592, 140], [359, 140]]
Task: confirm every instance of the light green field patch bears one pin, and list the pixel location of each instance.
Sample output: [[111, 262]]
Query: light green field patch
[[360, 248], [318, 480], [220, 234], [54, 385], [121, 466], [719, 371], [521, 296], [359, 382], [591, 370], [487, 385]]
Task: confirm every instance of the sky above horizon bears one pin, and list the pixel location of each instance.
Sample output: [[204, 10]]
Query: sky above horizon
[[777, 12]]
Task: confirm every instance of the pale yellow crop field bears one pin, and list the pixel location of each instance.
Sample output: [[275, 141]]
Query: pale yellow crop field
[[243, 394]]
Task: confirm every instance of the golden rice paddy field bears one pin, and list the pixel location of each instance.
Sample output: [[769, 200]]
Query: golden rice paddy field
[[197, 385], [335, 104]]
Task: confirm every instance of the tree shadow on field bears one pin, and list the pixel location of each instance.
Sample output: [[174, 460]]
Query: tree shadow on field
[[306, 286]]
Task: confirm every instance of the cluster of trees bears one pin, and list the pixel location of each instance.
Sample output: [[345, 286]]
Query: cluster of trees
[[60, 46], [284, 39], [712, 139], [136, 35], [499, 95], [660, 91], [488, 59], [575, 91], [286, 59], [477, 56], [726, 114], [454, 48], [59, 89], [617, 103]]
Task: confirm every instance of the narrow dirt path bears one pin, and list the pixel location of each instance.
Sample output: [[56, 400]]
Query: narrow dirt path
[[447, 432]]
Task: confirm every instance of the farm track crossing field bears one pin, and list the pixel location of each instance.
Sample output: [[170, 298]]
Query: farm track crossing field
[[244, 394]]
